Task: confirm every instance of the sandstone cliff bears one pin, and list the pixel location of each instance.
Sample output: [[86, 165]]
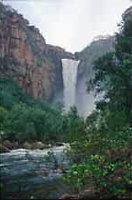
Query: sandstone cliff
[[85, 101], [100, 46], [26, 58]]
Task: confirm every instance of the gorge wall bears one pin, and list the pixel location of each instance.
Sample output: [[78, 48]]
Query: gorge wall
[[27, 59], [85, 101]]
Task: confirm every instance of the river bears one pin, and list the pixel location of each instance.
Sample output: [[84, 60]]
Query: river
[[28, 174]]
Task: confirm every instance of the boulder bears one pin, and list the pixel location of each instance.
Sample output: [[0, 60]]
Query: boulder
[[7, 144], [15, 145], [49, 145], [66, 197], [26, 145], [3, 149], [89, 194], [38, 145]]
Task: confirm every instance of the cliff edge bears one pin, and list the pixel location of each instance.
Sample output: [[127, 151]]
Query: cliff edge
[[27, 59]]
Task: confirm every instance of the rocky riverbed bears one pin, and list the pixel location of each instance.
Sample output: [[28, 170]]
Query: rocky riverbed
[[34, 174]]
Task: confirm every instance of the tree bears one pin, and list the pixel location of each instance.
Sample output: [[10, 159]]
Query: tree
[[113, 73]]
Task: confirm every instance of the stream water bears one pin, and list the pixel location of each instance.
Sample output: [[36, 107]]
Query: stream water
[[25, 174]]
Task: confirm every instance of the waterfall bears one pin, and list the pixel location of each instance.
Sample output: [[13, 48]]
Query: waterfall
[[69, 72]]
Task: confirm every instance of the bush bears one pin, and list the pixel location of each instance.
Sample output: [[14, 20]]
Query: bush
[[109, 168], [3, 120], [26, 123], [76, 177], [12, 93], [73, 126], [109, 178], [39, 122]]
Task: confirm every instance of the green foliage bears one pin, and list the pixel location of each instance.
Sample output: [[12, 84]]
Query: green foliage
[[3, 120], [26, 123], [100, 140], [110, 130], [110, 177], [76, 177], [113, 73], [104, 131], [12, 94], [80, 150], [27, 119], [73, 125], [104, 154], [40, 122]]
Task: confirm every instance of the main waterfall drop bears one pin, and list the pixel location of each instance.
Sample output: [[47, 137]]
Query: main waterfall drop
[[69, 72]]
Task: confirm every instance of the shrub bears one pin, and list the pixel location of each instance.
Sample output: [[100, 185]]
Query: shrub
[[11, 93], [110, 178]]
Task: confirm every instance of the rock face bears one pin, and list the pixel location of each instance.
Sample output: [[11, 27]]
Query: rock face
[[100, 46], [128, 14], [26, 58], [85, 101]]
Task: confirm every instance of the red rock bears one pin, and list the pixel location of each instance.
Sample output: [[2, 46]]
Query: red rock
[[26, 58]]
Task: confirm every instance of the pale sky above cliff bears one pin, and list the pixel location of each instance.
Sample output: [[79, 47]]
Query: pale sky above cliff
[[72, 24]]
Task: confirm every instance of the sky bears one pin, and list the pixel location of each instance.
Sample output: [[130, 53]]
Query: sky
[[72, 24]]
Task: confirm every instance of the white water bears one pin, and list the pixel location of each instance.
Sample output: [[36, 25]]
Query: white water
[[69, 71]]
